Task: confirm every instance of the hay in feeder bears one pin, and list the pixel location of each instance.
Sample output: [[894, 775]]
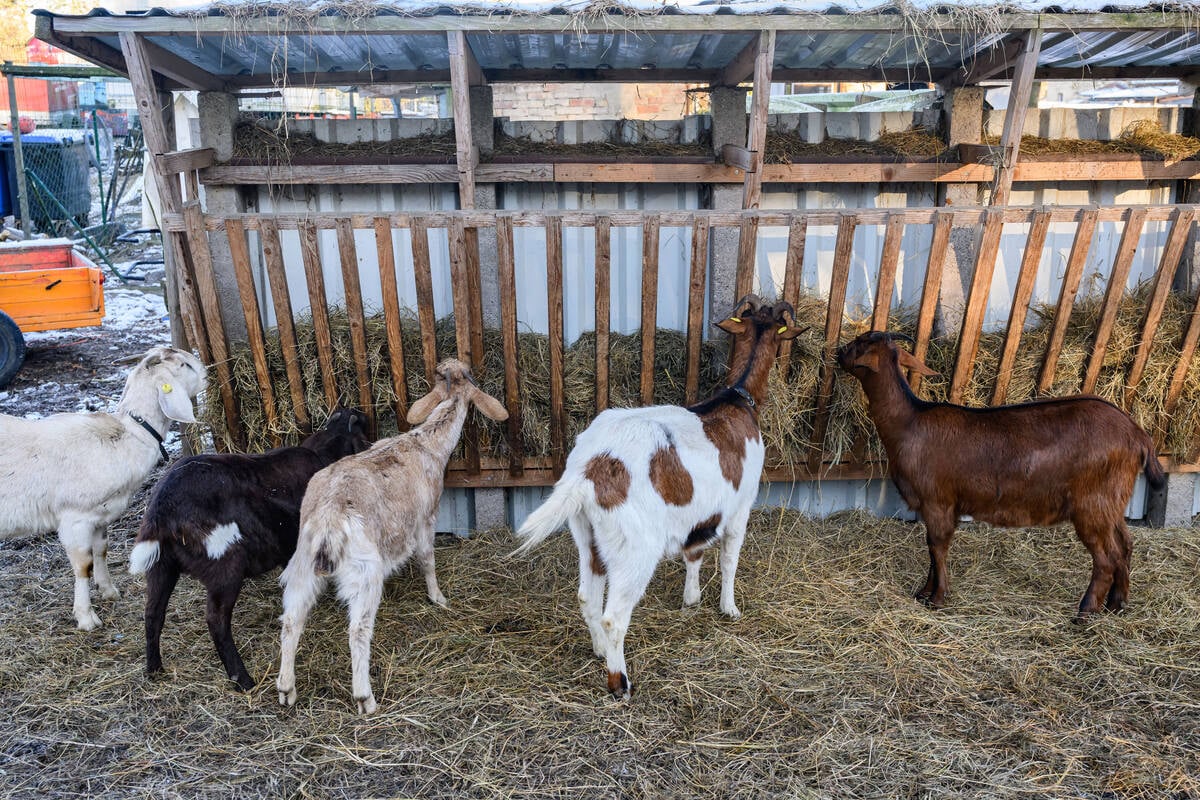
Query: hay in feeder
[[788, 148], [834, 683], [270, 142], [1143, 137]]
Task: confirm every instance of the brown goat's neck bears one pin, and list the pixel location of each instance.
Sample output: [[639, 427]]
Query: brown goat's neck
[[440, 431], [754, 374], [890, 402]]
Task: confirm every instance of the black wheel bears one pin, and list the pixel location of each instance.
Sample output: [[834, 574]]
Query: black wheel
[[12, 349]]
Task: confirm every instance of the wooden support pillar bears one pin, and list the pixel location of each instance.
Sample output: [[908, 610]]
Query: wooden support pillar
[[18, 156], [756, 140], [467, 155], [1014, 117]]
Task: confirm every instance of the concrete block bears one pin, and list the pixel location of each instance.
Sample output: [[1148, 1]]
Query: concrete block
[[1181, 493], [490, 509], [482, 129], [218, 114], [841, 125], [729, 119]]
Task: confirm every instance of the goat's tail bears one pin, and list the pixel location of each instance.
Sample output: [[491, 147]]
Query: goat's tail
[[328, 533], [563, 503], [1150, 466], [146, 548]]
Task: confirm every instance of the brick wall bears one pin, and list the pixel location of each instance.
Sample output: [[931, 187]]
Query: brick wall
[[586, 101]]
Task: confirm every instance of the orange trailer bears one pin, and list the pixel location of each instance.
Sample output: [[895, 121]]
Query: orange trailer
[[44, 285]]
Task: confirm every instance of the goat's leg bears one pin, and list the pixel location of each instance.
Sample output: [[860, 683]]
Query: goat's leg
[[299, 596], [160, 583], [939, 530], [593, 574], [625, 589], [692, 560], [362, 590], [100, 563], [1122, 552], [1095, 538], [731, 548], [76, 538], [219, 615], [424, 556]]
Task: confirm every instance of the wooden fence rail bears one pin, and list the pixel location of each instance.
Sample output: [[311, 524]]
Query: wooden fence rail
[[519, 466]]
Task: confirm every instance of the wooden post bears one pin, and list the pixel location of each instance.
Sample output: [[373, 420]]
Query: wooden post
[[756, 137], [460, 83], [18, 155], [1014, 117]]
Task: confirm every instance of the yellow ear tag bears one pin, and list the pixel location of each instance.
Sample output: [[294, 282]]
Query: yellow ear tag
[[167, 388], [782, 330], [735, 319]]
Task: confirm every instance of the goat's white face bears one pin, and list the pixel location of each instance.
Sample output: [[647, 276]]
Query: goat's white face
[[177, 377], [454, 377]]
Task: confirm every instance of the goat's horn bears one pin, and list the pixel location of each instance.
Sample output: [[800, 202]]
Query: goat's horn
[[782, 307], [904, 337], [750, 302]]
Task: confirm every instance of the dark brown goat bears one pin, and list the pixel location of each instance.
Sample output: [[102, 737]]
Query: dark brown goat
[[226, 517], [1039, 463]]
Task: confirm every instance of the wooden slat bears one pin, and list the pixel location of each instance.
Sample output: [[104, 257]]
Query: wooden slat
[[348, 255], [1158, 299], [1187, 351], [554, 299], [756, 135], [792, 273], [314, 279], [506, 278], [1066, 298], [188, 160], [281, 299], [1020, 304], [386, 258], [254, 331], [189, 304], [888, 262], [474, 296], [424, 279], [603, 308], [695, 314], [833, 327], [1014, 118], [977, 298], [210, 303], [942, 225], [461, 283], [747, 254], [1113, 294], [650, 235]]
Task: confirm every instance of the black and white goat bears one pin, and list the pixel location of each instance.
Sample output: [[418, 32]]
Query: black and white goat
[[367, 515], [646, 483], [222, 518], [75, 473]]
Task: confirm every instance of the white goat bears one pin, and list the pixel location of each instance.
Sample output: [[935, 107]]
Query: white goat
[[75, 473], [643, 484], [365, 516]]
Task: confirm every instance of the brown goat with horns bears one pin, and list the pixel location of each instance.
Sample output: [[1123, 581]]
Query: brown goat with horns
[[1038, 463]]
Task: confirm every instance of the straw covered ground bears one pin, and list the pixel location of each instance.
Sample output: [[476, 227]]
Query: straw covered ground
[[835, 683], [788, 417]]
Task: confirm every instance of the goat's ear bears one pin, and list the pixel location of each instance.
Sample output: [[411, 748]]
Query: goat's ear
[[420, 410], [909, 361], [489, 406], [791, 331], [175, 403], [733, 325], [870, 360]]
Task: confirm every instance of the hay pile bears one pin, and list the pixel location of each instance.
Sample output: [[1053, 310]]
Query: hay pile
[[268, 141], [789, 148], [1144, 137], [835, 683], [787, 419]]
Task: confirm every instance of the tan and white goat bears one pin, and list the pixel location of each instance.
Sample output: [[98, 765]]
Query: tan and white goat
[[365, 516], [643, 484]]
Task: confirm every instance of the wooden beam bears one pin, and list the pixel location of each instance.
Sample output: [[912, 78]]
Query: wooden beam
[[89, 49], [737, 157], [756, 137], [991, 63], [742, 65], [183, 72], [188, 160], [461, 87], [1014, 117]]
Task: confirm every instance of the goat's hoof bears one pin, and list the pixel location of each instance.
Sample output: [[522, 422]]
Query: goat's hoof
[[619, 686], [87, 620], [733, 612], [244, 682], [287, 697], [440, 601], [366, 705], [110, 592]]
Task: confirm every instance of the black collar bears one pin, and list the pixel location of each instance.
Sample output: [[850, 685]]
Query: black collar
[[741, 391], [152, 432]]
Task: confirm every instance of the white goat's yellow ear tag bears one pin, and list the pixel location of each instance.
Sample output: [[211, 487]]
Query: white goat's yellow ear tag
[[167, 388], [782, 329]]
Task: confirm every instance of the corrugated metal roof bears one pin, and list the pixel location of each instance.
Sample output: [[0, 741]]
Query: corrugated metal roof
[[254, 44]]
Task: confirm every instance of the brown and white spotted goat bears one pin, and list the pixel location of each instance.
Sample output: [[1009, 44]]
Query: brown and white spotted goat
[[1039, 463], [645, 483]]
